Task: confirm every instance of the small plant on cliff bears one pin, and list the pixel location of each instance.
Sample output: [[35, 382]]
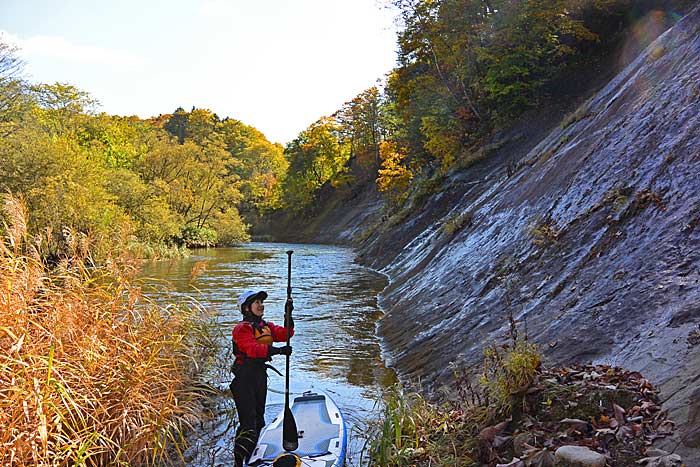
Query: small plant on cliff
[[646, 198], [508, 372], [545, 232], [579, 114], [457, 221]]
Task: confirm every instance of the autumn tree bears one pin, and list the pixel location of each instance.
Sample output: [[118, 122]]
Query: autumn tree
[[360, 125], [260, 165], [177, 124], [12, 98], [318, 155], [395, 175], [62, 187]]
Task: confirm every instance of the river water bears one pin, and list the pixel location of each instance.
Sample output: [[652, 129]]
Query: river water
[[335, 310]]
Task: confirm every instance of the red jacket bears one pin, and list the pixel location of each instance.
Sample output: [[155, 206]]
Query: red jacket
[[246, 345]]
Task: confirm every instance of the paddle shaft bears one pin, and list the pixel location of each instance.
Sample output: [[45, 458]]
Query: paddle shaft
[[286, 325], [290, 434]]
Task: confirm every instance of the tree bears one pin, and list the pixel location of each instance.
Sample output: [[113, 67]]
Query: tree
[[360, 126], [438, 83], [12, 97], [262, 169], [529, 44], [61, 108], [62, 187], [318, 155], [394, 176], [154, 220], [117, 141], [202, 126], [177, 124], [466, 66]]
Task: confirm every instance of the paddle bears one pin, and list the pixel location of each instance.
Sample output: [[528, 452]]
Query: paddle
[[290, 435]]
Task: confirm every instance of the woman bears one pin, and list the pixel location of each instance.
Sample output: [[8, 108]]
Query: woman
[[252, 346]]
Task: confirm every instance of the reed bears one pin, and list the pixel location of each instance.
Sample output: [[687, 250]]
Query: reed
[[413, 432], [90, 372]]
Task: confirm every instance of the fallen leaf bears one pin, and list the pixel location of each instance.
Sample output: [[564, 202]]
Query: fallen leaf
[[619, 414], [488, 434], [648, 405], [625, 432], [501, 440], [543, 458], [576, 424], [666, 427]]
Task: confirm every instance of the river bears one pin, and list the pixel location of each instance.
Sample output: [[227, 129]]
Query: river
[[335, 311]]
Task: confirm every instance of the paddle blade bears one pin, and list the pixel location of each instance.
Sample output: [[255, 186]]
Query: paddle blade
[[290, 435]]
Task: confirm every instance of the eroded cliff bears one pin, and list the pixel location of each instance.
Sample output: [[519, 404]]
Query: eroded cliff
[[591, 240]]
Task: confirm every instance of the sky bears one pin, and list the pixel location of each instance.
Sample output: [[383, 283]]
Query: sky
[[277, 65]]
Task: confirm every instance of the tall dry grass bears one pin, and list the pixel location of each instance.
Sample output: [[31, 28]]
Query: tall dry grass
[[90, 373]]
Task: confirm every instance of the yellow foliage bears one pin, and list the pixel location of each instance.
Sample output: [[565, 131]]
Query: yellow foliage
[[394, 176], [509, 372], [92, 373]]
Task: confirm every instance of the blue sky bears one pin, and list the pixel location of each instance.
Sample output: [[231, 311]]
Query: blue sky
[[277, 65]]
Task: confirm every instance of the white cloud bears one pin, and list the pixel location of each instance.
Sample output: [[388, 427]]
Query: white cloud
[[8, 38], [217, 8], [60, 48]]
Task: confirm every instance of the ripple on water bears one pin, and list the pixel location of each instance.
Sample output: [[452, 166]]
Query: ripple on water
[[335, 300]]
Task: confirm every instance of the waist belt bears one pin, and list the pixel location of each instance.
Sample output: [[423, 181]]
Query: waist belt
[[255, 363]]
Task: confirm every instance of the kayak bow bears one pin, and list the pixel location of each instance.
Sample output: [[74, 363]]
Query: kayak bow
[[322, 433]]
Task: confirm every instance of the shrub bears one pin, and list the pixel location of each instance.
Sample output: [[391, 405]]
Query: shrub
[[230, 228], [197, 237], [414, 432], [508, 373], [457, 221], [88, 374]]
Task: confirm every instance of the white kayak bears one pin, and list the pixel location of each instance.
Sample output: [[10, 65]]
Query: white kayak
[[322, 433]]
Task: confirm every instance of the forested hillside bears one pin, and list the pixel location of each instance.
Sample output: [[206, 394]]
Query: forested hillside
[[149, 186], [466, 72]]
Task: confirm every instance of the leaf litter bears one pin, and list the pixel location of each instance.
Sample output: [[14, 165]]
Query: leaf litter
[[606, 409]]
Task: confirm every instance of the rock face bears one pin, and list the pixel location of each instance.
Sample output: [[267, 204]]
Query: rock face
[[339, 215], [591, 240], [579, 456]]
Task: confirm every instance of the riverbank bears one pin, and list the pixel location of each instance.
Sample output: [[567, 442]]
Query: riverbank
[[91, 372], [582, 224], [589, 416]]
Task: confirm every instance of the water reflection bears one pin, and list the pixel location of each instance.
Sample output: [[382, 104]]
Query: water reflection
[[335, 347]]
